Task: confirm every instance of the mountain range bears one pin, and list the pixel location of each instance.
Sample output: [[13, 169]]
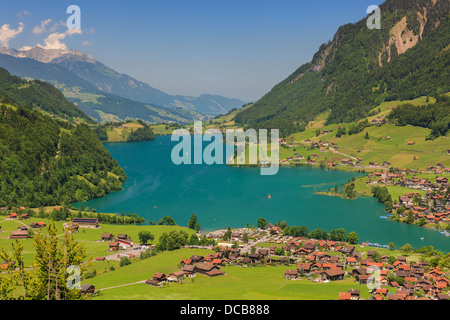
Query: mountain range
[[361, 68], [105, 94]]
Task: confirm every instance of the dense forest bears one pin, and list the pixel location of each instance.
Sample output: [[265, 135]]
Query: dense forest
[[39, 94], [361, 68], [46, 162], [435, 116]]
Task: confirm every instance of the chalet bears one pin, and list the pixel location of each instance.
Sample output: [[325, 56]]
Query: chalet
[[333, 274], [189, 270], [363, 278], [86, 222], [345, 296], [306, 267], [87, 289], [176, 276], [214, 273], [37, 225], [153, 282], [114, 246], [290, 274], [107, 236], [122, 236], [159, 276], [24, 216], [309, 246], [348, 250], [186, 261], [354, 294], [196, 259], [245, 261], [441, 180], [346, 161], [12, 215], [255, 256], [203, 267], [235, 236], [19, 234]]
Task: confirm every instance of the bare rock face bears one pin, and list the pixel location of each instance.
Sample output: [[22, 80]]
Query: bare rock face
[[46, 55]]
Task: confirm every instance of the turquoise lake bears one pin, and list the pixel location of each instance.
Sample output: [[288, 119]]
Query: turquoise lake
[[222, 196]]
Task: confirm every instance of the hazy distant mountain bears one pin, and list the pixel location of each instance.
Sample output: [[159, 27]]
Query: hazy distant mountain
[[107, 80], [99, 105]]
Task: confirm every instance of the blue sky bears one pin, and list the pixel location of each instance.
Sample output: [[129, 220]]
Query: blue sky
[[233, 48]]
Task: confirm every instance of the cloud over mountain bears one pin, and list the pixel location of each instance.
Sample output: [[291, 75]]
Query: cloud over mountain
[[7, 34]]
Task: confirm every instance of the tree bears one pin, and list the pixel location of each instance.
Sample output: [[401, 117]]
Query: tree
[[166, 220], [193, 240], [352, 237], [52, 277], [145, 236], [410, 217], [193, 223], [407, 248], [262, 223], [124, 261], [227, 234], [391, 246], [367, 135]]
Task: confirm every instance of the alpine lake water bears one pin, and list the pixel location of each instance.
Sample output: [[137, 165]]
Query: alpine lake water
[[221, 196]]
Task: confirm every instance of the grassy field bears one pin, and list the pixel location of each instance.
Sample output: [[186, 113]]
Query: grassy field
[[90, 238], [239, 283]]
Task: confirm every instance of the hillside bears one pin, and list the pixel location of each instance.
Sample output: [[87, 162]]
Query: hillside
[[48, 162], [38, 94], [361, 68]]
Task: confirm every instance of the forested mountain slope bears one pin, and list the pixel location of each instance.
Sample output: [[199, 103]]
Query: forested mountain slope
[[360, 68]]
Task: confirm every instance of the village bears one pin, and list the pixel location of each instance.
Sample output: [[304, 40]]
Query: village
[[319, 261], [389, 276], [430, 207]]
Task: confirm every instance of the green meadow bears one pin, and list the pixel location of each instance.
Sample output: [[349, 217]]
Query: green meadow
[[239, 283]]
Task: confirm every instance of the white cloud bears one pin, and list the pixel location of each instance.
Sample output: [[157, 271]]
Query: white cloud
[[23, 13], [42, 28], [7, 34], [25, 48], [55, 40], [57, 25], [87, 43]]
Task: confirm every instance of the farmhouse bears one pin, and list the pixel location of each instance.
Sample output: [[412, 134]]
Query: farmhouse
[[86, 222], [189, 270], [24, 216], [290, 274], [159, 276], [333, 274], [114, 246], [107, 236], [176, 276], [203, 267], [87, 289], [214, 272], [441, 180], [19, 234]]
